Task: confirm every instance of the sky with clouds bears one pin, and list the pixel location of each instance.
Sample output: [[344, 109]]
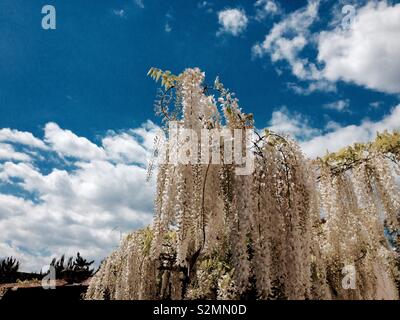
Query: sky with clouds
[[76, 116]]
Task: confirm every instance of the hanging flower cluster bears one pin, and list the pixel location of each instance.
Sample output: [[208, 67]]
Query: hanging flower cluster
[[291, 229]]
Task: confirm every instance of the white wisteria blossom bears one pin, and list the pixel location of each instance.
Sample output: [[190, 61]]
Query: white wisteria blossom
[[288, 230]]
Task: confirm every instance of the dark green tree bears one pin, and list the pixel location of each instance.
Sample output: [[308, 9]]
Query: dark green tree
[[74, 270], [81, 264], [8, 270]]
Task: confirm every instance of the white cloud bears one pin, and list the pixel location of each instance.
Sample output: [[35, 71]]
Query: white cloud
[[343, 136], [266, 8], [21, 137], [288, 38], [124, 147], [83, 206], [368, 52], [7, 152], [340, 105], [316, 142], [132, 146], [232, 21], [292, 124], [9, 249], [68, 144], [128, 147]]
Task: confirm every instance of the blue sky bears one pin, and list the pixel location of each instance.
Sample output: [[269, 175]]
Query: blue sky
[[76, 107], [89, 74]]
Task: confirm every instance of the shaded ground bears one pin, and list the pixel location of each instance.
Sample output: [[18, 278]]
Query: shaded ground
[[33, 290]]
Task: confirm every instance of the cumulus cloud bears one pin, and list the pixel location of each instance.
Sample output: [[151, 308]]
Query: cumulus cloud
[[292, 124], [365, 53], [21, 137], [232, 21], [8, 152], [288, 38], [342, 136], [368, 52], [99, 193], [316, 142], [132, 146], [68, 144], [124, 147]]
